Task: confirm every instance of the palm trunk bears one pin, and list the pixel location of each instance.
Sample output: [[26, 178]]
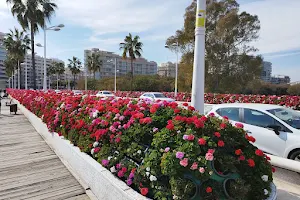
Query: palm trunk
[[19, 77], [32, 55], [131, 82], [74, 81], [57, 81]]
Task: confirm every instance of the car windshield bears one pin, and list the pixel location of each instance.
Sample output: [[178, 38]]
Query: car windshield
[[289, 116], [106, 93], [159, 95]]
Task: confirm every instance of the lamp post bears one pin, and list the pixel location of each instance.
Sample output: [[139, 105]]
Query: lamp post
[[199, 58], [111, 61], [52, 28], [176, 45]]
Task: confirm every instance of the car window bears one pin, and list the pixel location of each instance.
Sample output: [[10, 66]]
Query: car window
[[158, 95], [257, 118], [106, 93], [231, 113]]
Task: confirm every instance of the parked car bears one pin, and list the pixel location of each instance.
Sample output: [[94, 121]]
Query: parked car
[[155, 96], [275, 128], [77, 92], [57, 91], [105, 94]]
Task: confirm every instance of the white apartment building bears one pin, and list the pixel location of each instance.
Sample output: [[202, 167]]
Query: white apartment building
[[141, 66], [39, 69], [3, 77], [167, 69]]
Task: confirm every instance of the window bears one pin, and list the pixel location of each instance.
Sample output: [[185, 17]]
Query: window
[[231, 113], [258, 118]]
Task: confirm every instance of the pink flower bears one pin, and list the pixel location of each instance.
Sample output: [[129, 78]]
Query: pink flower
[[129, 182], [209, 156], [179, 155], [105, 162], [185, 137], [239, 125], [118, 166], [121, 118], [194, 166], [167, 149], [184, 162], [201, 170], [212, 151]]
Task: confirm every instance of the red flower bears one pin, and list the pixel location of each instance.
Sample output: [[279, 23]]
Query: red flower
[[221, 143], [259, 152], [251, 163], [124, 169], [273, 169], [191, 137], [201, 141], [118, 140], [144, 191], [217, 134], [208, 190], [226, 118], [178, 118], [242, 158], [176, 111], [185, 104], [238, 152], [203, 118], [97, 149], [191, 108], [222, 125], [170, 125], [251, 139]]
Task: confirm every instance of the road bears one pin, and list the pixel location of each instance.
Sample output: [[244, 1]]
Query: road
[[288, 184]]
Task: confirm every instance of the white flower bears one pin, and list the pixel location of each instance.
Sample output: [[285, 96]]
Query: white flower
[[265, 178], [115, 158], [147, 173], [116, 152], [266, 191], [153, 178], [109, 158], [139, 151], [148, 169], [95, 114], [95, 144], [62, 105], [113, 169], [92, 151]]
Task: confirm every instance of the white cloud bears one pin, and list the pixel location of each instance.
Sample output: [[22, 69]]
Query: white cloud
[[280, 27], [117, 16]]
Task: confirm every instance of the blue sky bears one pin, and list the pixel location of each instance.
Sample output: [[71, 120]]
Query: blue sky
[[104, 24]]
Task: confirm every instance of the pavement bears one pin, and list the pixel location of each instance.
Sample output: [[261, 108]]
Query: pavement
[[288, 184]]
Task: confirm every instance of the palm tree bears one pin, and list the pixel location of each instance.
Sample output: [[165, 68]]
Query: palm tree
[[94, 63], [133, 48], [31, 14], [57, 69], [17, 43], [74, 66]]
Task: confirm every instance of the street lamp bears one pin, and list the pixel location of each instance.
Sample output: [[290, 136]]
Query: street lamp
[[111, 61], [176, 45], [52, 28]]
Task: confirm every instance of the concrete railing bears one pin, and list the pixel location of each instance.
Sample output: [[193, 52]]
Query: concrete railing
[[284, 163], [89, 173]]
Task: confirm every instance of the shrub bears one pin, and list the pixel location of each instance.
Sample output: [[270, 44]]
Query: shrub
[[159, 149]]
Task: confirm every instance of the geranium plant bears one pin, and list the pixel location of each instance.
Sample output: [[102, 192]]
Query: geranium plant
[[159, 149]]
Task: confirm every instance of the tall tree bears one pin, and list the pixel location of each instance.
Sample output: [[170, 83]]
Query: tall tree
[[74, 66], [57, 68], [131, 48], [229, 54], [31, 14], [17, 43], [94, 63]]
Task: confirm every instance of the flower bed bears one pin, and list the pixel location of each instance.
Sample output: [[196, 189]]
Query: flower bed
[[159, 149]]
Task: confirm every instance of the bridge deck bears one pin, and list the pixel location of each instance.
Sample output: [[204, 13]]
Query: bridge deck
[[29, 169]]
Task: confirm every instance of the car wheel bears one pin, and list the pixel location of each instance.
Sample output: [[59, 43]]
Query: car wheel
[[295, 155]]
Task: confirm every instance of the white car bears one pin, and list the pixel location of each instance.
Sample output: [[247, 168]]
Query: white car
[[57, 91], [77, 92], [105, 94], [275, 128], [155, 96]]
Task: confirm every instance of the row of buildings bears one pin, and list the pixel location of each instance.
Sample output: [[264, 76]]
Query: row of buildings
[[266, 75]]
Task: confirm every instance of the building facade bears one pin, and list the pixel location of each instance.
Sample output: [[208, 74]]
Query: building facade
[[280, 79], [167, 69], [39, 69], [141, 66], [3, 77], [266, 72]]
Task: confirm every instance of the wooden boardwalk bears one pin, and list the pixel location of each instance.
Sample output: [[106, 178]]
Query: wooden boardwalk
[[29, 169]]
